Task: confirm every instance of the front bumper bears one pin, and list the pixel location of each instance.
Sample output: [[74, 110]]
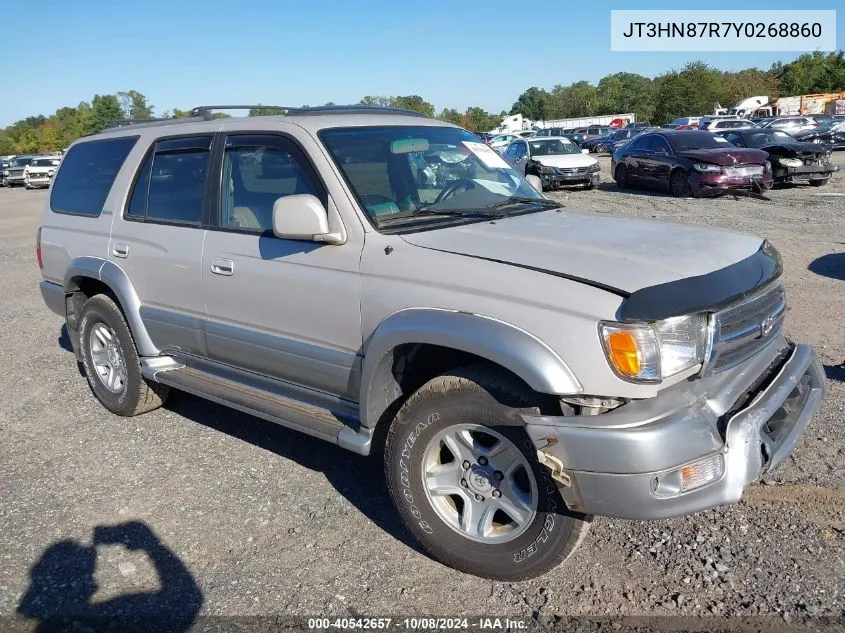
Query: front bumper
[[805, 172], [42, 181], [703, 182], [561, 180], [612, 464]]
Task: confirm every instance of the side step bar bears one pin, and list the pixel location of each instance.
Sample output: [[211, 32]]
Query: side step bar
[[263, 403]]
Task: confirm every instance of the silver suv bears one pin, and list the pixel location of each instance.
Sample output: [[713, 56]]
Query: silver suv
[[388, 283]]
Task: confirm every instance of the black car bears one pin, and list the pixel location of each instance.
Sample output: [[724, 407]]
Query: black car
[[792, 160], [831, 133]]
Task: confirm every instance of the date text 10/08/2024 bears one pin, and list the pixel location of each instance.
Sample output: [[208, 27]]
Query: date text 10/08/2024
[[418, 623]]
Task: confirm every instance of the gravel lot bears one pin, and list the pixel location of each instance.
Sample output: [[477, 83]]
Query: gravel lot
[[246, 518]]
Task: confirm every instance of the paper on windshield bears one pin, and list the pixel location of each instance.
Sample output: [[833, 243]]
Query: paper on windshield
[[487, 155]]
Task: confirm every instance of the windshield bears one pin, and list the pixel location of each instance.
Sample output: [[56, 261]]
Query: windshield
[[553, 147], [45, 162], [682, 141], [767, 137], [21, 162], [417, 173]]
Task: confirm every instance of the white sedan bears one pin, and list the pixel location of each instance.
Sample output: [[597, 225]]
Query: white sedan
[[555, 160], [501, 141]]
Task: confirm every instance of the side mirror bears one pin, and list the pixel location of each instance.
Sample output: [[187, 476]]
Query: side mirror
[[302, 217], [585, 151]]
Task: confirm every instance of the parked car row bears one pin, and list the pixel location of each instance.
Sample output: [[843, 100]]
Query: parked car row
[[33, 172]]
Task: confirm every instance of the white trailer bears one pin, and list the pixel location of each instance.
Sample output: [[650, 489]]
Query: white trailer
[[587, 121]]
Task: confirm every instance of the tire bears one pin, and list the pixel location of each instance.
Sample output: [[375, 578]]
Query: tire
[[819, 182], [111, 361], [620, 175], [590, 185], [679, 185], [483, 403], [600, 148]]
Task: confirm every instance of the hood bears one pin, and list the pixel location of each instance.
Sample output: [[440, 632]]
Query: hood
[[566, 160], [795, 149], [726, 157], [621, 254]]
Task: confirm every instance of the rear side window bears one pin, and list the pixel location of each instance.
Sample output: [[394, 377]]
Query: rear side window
[[170, 186], [87, 174]]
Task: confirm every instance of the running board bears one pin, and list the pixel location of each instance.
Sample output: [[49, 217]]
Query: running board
[[268, 405]]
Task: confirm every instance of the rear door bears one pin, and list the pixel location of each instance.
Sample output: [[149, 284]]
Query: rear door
[[158, 240]]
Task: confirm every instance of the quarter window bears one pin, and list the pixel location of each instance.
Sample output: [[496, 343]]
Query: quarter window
[[87, 174]]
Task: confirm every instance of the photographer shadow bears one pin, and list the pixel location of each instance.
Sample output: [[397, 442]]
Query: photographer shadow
[[62, 586]]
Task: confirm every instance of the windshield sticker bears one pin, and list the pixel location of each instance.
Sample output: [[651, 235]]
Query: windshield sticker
[[487, 155]]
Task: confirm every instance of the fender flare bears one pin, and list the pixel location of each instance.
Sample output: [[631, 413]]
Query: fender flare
[[113, 276], [520, 352]]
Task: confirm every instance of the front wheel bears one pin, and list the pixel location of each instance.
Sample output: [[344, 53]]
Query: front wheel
[[601, 148], [679, 185], [464, 477], [621, 176]]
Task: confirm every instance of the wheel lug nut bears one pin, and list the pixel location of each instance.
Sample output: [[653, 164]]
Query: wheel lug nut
[[497, 494], [464, 483], [498, 476], [479, 498], [482, 460], [466, 465]]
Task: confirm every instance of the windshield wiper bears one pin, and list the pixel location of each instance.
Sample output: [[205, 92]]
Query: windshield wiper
[[545, 202], [487, 212]]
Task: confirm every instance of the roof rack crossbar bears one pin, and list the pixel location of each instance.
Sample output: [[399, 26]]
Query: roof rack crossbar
[[116, 123], [204, 111], [355, 109]]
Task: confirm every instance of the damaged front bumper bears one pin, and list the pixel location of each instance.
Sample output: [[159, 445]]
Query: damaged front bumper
[[632, 462], [804, 173]]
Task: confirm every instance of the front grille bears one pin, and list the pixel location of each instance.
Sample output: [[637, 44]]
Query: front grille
[[572, 170], [744, 170], [741, 330]]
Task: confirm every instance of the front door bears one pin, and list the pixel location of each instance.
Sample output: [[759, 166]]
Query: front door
[[283, 308]]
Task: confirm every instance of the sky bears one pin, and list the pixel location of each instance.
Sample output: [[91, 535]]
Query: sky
[[453, 54]]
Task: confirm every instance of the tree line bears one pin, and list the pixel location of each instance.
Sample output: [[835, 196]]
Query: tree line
[[692, 90]]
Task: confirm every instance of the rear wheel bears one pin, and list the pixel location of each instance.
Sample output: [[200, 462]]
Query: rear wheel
[[465, 479], [679, 185], [111, 361], [621, 176], [601, 148]]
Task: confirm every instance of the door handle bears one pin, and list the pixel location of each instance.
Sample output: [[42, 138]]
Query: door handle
[[120, 250], [222, 266]]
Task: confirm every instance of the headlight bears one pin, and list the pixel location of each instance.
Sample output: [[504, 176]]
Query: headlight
[[543, 169], [706, 169], [595, 167], [790, 162], [649, 352]]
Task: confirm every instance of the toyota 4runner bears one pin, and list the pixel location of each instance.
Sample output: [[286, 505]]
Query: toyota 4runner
[[384, 281]]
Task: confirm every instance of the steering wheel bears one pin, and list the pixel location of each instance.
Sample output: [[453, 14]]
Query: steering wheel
[[452, 189]]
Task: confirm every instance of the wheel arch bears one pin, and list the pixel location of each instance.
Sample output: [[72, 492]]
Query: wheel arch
[[87, 276], [452, 338]]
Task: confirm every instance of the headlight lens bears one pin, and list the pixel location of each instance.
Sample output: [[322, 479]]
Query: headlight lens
[[649, 352], [790, 162], [595, 167], [543, 169], [706, 169]]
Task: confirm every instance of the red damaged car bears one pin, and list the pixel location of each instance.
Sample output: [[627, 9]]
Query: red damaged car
[[691, 163]]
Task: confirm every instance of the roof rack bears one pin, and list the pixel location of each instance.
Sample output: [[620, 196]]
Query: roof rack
[[354, 109], [205, 111], [147, 122]]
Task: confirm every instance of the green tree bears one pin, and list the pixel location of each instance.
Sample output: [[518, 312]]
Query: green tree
[[481, 119], [812, 72], [104, 109], [693, 90], [574, 100], [534, 104], [620, 93], [377, 101], [134, 105], [264, 111], [415, 103]]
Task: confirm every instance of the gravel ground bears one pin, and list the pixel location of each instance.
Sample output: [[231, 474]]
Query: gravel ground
[[244, 518]]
